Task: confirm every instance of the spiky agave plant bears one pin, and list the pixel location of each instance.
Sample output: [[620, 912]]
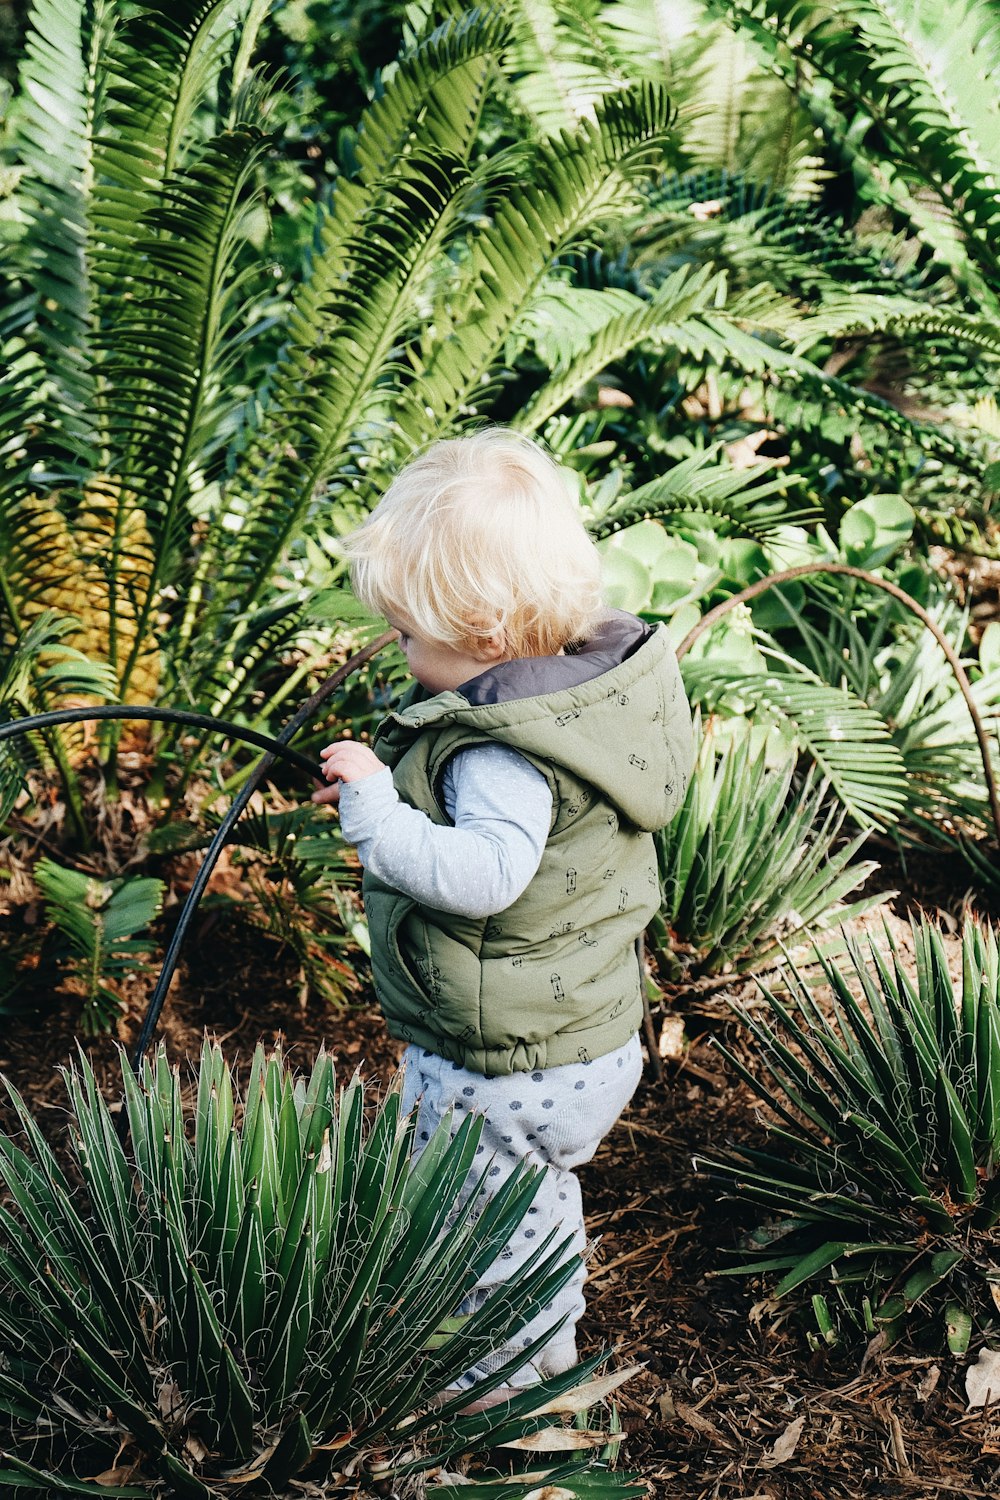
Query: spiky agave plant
[[265, 1296], [742, 815], [881, 1170]]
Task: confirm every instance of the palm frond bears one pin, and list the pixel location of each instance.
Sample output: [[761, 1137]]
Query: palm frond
[[848, 741], [924, 74], [744, 501], [788, 372], [657, 40], [578, 181], [21, 415], [899, 672]]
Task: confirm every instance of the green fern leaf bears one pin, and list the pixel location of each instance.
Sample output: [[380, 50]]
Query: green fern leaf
[[99, 920], [848, 741], [924, 73], [748, 504], [53, 142], [397, 240]]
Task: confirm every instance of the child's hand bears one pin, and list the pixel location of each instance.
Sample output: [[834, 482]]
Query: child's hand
[[345, 761]]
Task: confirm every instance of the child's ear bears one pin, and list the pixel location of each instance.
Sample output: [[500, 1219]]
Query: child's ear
[[492, 647]]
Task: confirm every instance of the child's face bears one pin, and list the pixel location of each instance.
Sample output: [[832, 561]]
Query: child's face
[[438, 667]]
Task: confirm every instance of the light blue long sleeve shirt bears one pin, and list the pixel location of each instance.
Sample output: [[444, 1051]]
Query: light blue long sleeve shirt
[[501, 809]]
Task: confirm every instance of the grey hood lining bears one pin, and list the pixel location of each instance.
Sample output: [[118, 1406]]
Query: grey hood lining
[[616, 638]]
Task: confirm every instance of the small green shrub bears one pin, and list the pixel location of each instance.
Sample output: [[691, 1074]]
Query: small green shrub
[[882, 1168], [748, 863], [268, 1295], [98, 922]]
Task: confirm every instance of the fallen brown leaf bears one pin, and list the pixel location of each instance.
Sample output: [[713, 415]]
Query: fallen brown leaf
[[982, 1379], [785, 1445], [558, 1440], [700, 1424]]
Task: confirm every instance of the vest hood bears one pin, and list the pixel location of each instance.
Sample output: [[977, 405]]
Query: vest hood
[[612, 712]]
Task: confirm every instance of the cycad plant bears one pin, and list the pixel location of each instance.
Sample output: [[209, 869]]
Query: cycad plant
[[157, 488], [901, 91], [751, 860], [98, 922], [159, 494], [263, 1294], [880, 1174]]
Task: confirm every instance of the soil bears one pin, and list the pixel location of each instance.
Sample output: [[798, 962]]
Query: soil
[[731, 1403]]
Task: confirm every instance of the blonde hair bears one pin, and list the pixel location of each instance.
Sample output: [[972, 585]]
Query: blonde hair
[[479, 537]]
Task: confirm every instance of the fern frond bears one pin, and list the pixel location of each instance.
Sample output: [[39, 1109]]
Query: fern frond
[[562, 61], [741, 222], [437, 89], [629, 321], [164, 355], [925, 74], [577, 181], [21, 414], [657, 40], [740, 499], [99, 920], [41, 670], [711, 340], [53, 142], [396, 241], [848, 741], [899, 317]]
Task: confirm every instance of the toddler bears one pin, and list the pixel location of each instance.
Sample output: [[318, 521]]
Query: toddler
[[504, 822]]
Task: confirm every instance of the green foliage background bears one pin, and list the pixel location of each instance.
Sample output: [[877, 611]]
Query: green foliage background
[[734, 263]]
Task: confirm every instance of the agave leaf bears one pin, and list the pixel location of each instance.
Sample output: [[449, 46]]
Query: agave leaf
[[958, 1145], [291, 1453], [569, 1478], [825, 1257], [291, 1326], [23, 1476], [939, 1268], [987, 1064], [246, 1289], [332, 1384], [958, 1328], [183, 1483], [230, 1357], [233, 1410]]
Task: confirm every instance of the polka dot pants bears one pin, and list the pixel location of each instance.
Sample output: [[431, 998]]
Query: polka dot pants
[[553, 1118]]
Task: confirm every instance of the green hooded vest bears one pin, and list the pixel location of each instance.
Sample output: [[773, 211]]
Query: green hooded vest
[[553, 979]]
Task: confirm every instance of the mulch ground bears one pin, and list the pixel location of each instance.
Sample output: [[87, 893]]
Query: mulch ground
[[731, 1401]]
